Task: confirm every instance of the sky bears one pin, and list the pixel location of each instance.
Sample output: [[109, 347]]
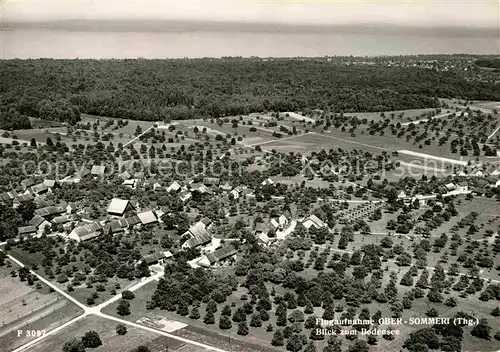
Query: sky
[[468, 13]]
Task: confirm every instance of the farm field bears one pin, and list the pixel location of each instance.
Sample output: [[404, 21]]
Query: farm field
[[29, 308], [111, 341]]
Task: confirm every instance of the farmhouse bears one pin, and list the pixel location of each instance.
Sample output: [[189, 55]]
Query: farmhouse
[[185, 196], [198, 235], [86, 232], [27, 183], [313, 220], [157, 258], [51, 211], [120, 225], [147, 217], [450, 186], [39, 222], [462, 187], [98, 170], [118, 207], [211, 181], [39, 188], [224, 253], [27, 230], [8, 196], [267, 182], [63, 219], [174, 187], [21, 199]]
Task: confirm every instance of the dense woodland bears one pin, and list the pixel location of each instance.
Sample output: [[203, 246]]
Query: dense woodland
[[61, 90]]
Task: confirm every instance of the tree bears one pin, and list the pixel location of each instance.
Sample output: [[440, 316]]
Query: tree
[[239, 315], [224, 322], [278, 338], [195, 313], [142, 349], [128, 295], [482, 330], [91, 339], [311, 347], [496, 312], [121, 329], [242, 328], [256, 321], [212, 306], [359, 346], [294, 343], [226, 310], [73, 345], [209, 318], [123, 308]]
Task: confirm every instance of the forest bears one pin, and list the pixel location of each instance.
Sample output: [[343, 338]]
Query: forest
[[61, 90]]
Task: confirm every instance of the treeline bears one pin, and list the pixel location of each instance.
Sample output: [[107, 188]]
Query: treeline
[[180, 89], [489, 63]]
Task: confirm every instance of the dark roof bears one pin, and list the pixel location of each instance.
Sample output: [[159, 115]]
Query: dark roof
[[211, 181], [220, 254], [64, 219], [36, 221], [153, 258], [28, 182], [51, 210], [23, 198]]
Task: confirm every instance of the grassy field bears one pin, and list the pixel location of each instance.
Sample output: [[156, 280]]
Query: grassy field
[[111, 341], [27, 307]]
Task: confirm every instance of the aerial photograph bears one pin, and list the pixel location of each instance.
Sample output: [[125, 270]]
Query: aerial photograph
[[249, 176]]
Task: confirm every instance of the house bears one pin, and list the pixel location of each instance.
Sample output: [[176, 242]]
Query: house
[[479, 173], [21, 199], [185, 196], [211, 181], [71, 208], [39, 222], [313, 220], [125, 175], [98, 170], [495, 173], [198, 235], [86, 232], [157, 258], [261, 228], [147, 217], [8, 196], [420, 199], [50, 183], [267, 182], [450, 187], [274, 225], [217, 256], [235, 193], [283, 221], [206, 221], [118, 207], [41, 202], [63, 219], [462, 187], [27, 230], [27, 183], [401, 194], [174, 187], [131, 183], [200, 188], [51, 211], [119, 225], [39, 188], [497, 184], [264, 239], [226, 187]]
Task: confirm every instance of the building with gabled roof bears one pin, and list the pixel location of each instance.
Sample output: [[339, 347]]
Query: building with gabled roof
[[27, 230], [22, 198], [211, 181], [147, 217], [98, 170], [313, 221], [39, 222], [86, 232], [198, 235], [63, 219], [218, 255], [157, 258], [118, 206], [8, 196], [174, 187], [39, 188], [27, 183], [267, 182], [52, 210]]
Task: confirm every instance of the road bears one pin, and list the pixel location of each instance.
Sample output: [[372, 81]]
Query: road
[[416, 122], [494, 132], [139, 136], [97, 311]]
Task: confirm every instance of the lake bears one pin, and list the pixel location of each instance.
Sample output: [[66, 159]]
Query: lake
[[63, 44]]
